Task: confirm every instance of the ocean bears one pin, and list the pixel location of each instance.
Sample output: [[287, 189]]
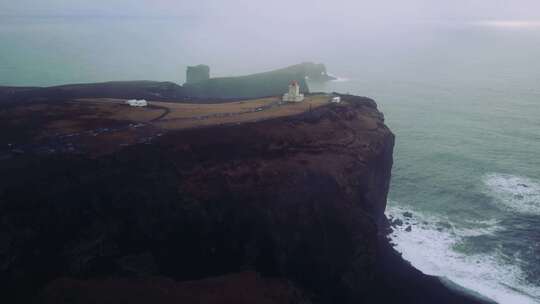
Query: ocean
[[463, 99], [467, 160]]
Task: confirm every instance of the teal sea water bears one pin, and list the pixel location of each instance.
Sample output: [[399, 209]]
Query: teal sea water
[[466, 113], [462, 99], [467, 165]]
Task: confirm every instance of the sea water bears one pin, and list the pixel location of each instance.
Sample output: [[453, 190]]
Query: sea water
[[466, 113], [462, 98]]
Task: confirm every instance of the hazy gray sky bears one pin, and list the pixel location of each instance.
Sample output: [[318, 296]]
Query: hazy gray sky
[[237, 37], [283, 9]]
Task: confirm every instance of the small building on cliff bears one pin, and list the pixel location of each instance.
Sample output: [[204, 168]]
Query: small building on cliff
[[294, 93], [336, 99], [137, 103]]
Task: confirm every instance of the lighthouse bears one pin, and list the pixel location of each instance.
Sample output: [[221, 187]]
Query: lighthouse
[[294, 93]]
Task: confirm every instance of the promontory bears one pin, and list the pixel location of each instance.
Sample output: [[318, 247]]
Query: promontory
[[104, 199]]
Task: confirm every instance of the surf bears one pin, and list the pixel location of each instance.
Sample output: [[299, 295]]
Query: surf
[[513, 193], [431, 244]]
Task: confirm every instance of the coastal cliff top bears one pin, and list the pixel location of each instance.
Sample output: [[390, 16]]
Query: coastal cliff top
[[104, 125], [176, 116]]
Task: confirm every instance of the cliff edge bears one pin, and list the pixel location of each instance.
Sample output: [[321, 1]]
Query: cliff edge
[[283, 210]]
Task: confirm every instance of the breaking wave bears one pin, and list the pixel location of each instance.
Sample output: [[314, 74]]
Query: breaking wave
[[515, 193], [430, 244]]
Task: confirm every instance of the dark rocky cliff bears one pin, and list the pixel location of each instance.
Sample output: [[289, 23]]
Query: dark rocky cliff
[[278, 211]]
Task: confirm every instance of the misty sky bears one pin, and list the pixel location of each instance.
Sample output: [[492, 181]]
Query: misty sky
[[281, 9], [237, 37]]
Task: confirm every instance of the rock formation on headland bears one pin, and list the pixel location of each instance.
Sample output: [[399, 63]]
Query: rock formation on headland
[[198, 73]]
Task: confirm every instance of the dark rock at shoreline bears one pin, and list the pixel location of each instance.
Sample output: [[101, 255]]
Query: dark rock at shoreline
[[396, 222], [399, 282]]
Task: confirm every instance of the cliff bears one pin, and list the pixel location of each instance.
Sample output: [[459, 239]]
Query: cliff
[[281, 210]]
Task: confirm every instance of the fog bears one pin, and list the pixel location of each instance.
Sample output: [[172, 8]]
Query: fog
[[282, 9], [103, 39]]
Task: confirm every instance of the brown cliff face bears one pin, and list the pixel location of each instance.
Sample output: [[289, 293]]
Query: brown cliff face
[[311, 189], [296, 198]]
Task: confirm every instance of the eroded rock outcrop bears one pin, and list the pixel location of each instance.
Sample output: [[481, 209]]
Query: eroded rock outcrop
[[198, 73]]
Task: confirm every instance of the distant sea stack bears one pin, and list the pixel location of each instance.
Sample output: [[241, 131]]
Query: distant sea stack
[[198, 73], [255, 85]]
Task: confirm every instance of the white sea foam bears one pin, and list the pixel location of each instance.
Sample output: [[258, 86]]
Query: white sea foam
[[430, 247], [487, 227], [515, 193]]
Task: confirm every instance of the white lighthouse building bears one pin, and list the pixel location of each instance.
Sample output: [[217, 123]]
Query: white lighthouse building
[[294, 93]]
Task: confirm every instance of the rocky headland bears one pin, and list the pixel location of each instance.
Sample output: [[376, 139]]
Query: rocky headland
[[281, 208], [255, 85]]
